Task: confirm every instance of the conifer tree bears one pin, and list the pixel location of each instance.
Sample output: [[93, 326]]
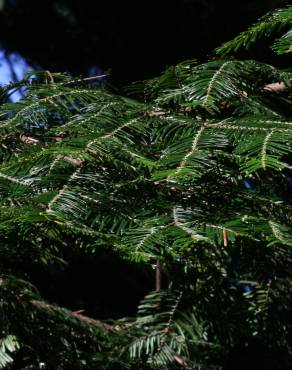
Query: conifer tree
[[190, 172]]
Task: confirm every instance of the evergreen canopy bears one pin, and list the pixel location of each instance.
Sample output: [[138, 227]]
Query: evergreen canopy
[[191, 171]]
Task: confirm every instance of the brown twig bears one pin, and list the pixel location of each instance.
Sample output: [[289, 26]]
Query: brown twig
[[75, 315], [158, 276]]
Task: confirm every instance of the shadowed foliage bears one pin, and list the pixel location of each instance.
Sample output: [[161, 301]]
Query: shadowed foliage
[[190, 171]]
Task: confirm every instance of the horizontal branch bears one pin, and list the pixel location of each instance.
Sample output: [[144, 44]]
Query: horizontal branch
[[74, 315]]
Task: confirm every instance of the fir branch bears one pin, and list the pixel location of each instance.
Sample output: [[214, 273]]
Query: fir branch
[[63, 190], [192, 150], [212, 82], [264, 149]]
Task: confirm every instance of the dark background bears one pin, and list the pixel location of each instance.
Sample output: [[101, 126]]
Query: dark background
[[134, 39]]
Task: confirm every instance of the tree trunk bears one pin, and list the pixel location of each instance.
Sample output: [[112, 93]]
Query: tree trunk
[[158, 276]]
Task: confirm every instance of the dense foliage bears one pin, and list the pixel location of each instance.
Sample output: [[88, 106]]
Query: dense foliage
[[189, 172]]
